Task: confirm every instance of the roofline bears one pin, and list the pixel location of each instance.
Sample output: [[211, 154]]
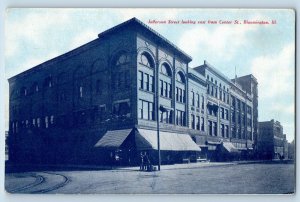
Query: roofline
[[251, 75], [58, 58], [214, 70], [156, 34]]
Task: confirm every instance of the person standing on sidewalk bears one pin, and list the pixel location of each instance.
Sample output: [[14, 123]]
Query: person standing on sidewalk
[[142, 161]]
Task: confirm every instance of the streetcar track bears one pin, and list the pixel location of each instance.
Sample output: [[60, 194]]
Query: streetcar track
[[55, 187], [39, 180]]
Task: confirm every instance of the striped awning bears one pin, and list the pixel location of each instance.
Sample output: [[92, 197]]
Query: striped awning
[[147, 139], [113, 139], [230, 147]]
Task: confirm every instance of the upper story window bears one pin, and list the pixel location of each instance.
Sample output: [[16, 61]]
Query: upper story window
[[35, 87], [80, 91], [147, 60], [166, 69], [98, 86], [180, 77], [24, 91], [121, 59], [48, 82]]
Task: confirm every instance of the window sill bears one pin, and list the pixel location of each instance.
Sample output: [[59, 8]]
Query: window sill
[[146, 91], [165, 97]]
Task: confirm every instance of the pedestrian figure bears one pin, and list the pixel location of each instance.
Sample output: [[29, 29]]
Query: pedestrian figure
[[142, 161], [147, 162]]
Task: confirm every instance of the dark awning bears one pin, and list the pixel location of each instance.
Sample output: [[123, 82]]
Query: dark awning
[[113, 139], [147, 139]]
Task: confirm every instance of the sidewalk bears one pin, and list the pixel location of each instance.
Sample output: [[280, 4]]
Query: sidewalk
[[31, 168]]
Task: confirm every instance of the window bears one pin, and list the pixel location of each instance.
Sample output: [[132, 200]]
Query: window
[[222, 112], [208, 88], [80, 91], [146, 81], [121, 108], [226, 131], [222, 130], [180, 118], [165, 117], [141, 80], [233, 117], [166, 70], [35, 87], [180, 77], [151, 83], [215, 129], [233, 132], [27, 123], [170, 90], [51, 119], [23, 91], [202, 102], [46, 122], [193, 98], [226, 114], [202, 123], [33, 122], [48, 82], [198, 100], [17, 127], [165, 89], [180, 95], [210, 128], [193, 121], [146, 110], [147, 60], [220, 94], [161, 87], [38, 122], [127, 79], [121, 59], [98, 86], [198, 123], [120, 77]]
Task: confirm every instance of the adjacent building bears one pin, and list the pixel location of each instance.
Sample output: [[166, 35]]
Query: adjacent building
[[272, 143], [104, 102]]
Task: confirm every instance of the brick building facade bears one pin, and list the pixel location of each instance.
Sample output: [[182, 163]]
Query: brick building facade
[[101, 101], [272, 143]]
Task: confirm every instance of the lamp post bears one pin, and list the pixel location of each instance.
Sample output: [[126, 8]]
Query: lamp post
[[162, 109]]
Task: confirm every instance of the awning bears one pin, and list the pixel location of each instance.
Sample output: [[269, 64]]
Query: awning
[[230, 147], [147, 139], [113, 139]]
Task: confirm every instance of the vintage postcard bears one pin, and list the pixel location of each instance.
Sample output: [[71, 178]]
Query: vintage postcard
[[150, 101]]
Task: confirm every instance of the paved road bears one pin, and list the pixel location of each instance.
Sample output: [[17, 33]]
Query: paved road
[[202, 178]]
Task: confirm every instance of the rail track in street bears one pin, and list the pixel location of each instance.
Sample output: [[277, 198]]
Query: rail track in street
[[41, 184]]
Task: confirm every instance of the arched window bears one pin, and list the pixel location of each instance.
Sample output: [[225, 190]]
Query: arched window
[[147, 60], [166, 70], [121, 58], [180, 77]]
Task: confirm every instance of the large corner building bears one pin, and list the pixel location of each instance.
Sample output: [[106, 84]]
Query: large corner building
[[103, 102]]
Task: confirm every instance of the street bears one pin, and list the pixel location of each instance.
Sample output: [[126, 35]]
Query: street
[[198, 178]]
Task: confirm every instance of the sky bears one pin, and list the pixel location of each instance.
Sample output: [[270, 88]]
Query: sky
[[33, 36]]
